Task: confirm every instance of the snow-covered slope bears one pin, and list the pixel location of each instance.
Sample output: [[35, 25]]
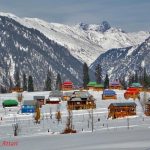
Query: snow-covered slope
[[84, 40], [124, 62], [30, 52]]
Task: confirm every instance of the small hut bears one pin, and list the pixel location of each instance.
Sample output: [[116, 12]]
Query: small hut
[[9, 103], [28, 106], [147, 108], [67, 95], [137, 85], [91, 85], [16, 89], [40, 100], [118, 110], [132, 93], [27, 109], [109, 94], [53, 100], [67, 85], [99, 87], [115, 85]]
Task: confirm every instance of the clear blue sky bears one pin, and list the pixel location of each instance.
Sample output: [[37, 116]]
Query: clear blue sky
[[130, 15]]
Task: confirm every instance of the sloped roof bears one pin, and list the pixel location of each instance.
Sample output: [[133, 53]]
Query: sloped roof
[[136, 85], [99, 85], [92, 83], [109, 92], [67, 83], [123, 104], [114, 83]]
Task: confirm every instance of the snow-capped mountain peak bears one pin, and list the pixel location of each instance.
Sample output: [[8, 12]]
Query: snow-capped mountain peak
[[104, 26], [84, 40]]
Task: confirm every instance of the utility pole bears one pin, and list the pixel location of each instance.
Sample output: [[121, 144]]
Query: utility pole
[[92, 121], [128, 123]]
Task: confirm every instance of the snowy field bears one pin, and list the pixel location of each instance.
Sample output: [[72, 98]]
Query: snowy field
[[124, 133]]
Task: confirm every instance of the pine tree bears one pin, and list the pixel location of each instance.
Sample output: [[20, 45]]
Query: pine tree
[[17, 79], [58, 82], [86, 78], [146, 79], [106, 82], [3, 89], [136, 78], [24, 82], [131, 80], [123, 83], [48, 82], [30, 84], [98, 74], [10, 84]]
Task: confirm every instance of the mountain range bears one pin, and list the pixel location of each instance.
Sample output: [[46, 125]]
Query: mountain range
[[124, 62], [33, 45]]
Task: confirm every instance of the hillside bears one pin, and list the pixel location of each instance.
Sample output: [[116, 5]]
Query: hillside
[[29, 51], [84, 40], [123, 62]]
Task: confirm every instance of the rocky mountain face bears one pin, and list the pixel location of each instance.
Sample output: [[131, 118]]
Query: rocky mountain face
[[29, 51], [84, 41], [123, 62]]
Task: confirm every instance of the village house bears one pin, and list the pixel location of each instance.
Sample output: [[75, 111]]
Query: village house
[[118, 110]]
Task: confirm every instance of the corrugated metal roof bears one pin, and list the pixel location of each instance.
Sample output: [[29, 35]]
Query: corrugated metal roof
[[38, 97], [29, 102], [136, 85], [123, 104]]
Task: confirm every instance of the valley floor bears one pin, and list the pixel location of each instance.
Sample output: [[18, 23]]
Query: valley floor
[[124, 133]]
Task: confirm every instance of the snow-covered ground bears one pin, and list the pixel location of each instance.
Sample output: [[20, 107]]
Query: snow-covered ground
[[124, 133]]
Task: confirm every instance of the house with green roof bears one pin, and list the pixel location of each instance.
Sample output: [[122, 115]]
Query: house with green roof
[[137, 85], [95, 86]]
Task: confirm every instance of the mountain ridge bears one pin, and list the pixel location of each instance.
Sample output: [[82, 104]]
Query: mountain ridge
[[84, 43]]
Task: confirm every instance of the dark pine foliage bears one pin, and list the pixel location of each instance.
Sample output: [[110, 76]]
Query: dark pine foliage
[[58, 82], [98, 74], [17, 78], [30, 84], [24, 82], [86, 78], [48, 81], [106, 82]]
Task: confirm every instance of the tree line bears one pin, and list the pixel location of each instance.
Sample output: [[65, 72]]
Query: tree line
[[138, 76], [27, 83]]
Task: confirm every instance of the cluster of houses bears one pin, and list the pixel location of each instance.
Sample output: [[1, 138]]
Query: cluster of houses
[[117, 110], [82, 99]]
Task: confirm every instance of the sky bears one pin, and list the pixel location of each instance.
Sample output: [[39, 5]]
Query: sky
[[130, 15]]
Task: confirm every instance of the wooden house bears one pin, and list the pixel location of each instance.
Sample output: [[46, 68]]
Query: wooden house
[[118, 110], [53, 100], [147, 108], [67, 95], [115, 85], [132, 93], [16, 89], [81, 100], [29, 102], [40, 100], [91, 85], [137, 85], [99, 87], [109, 94], [67, 85]]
